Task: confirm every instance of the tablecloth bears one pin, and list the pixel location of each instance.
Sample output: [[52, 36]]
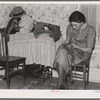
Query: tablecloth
[[39, 50]]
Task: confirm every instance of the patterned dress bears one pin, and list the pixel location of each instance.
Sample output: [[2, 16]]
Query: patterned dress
[[66, 55]]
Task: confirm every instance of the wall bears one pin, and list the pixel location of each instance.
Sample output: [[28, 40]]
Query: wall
[[95, 60]]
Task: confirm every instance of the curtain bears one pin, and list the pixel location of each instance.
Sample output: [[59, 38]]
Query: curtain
[[90, 13]]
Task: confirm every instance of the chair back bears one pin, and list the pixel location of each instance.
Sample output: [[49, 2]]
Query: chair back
[[4, 42]]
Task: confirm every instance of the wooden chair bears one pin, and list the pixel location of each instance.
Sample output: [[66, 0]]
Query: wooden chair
[[8, 63], [81, 71]]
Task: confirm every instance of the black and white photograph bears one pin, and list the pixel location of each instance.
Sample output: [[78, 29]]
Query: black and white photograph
[[50, 46]]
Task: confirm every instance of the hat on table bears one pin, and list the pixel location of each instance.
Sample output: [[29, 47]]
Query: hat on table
[[17, 12]]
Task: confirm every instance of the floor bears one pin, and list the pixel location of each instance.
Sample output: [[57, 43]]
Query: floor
[[37, 83]]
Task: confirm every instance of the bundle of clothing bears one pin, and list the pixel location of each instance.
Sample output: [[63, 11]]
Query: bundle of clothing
[[38, 71], [50, 29], [25, 24]]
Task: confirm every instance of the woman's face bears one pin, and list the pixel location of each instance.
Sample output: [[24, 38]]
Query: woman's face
[[76, 25]]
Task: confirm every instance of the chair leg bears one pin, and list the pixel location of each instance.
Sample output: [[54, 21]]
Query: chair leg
[[5, 73], [84, 76], [24, 72], [88, 76], [8, 77], [71, 76]]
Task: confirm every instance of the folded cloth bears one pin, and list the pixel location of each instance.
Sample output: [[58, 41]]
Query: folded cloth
[[56, 33]]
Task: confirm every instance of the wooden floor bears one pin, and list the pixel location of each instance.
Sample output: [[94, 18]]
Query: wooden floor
[[37, 83]]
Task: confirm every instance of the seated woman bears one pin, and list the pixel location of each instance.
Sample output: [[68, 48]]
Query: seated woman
[[78, 46]]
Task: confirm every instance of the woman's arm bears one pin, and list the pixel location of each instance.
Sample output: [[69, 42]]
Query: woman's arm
[[83, 49], [90, 41], [68, 34]]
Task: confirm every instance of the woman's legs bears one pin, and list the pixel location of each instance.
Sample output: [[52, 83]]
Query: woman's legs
[[62, 80], [62, 63]]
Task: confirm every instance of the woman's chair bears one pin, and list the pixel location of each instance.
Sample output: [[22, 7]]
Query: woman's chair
[[81, 71], [8, 63]]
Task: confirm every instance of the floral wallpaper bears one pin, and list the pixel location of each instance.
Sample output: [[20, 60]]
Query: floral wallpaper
[[51, 13]]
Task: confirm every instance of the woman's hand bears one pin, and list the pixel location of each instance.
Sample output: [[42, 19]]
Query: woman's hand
[[74, 46], [70, 46]]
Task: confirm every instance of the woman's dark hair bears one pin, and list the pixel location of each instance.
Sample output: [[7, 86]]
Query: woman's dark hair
[[77, 16]]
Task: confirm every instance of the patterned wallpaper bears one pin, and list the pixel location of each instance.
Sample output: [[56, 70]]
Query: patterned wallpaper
[[51, 13]]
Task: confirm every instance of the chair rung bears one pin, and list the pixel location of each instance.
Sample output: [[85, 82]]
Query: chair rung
[[77, 77], [77, 74], [15, 71], [2, 68], [2, 77]]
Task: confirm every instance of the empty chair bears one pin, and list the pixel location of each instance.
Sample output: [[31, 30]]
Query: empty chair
[[8, 62]]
